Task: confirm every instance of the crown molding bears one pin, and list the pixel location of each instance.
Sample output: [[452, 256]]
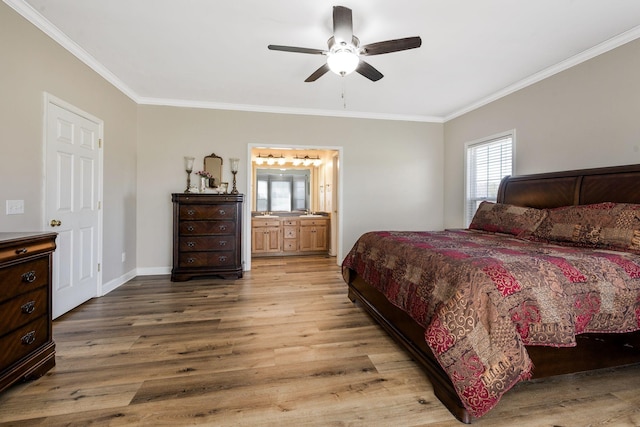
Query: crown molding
[[44, 25], [588, 54], [285, 110]]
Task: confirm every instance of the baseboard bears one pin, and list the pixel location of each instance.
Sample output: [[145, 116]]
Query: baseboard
[[117, 282], [153, 271]]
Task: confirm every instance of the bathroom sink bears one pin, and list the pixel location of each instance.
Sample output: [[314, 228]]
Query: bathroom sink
[[311, 216], [266, 216]]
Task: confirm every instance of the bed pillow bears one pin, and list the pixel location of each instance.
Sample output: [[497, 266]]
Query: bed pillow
[[504, 218], [601, 225]]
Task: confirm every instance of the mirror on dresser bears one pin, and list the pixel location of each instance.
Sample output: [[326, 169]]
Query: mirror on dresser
[[213, 165]]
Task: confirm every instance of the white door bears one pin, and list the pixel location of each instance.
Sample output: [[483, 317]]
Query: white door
[[72, 190]]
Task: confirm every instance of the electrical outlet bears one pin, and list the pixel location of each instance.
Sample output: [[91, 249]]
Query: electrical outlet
[[15, 207], [124, 256]]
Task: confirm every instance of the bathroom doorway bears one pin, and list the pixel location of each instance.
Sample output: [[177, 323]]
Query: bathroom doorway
[[300, 182]]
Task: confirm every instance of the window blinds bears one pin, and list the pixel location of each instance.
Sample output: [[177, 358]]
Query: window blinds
[[487, 163]]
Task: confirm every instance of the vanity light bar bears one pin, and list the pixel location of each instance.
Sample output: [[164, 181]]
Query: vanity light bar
[[271, 160]]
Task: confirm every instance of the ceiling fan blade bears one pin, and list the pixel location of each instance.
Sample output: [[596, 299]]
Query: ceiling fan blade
[[297, 49], [342, 24], [318, 73], [368, 71], [391, 46]]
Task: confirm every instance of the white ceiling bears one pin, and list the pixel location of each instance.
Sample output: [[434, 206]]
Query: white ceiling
[[213, 53]]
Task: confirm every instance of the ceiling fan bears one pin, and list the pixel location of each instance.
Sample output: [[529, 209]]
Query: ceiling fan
[[344, 53]]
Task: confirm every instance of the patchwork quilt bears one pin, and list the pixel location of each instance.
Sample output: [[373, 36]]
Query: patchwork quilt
[[483, 296]]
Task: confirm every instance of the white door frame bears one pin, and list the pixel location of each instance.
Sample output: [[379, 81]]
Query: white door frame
[[51, 99], [248, 202]]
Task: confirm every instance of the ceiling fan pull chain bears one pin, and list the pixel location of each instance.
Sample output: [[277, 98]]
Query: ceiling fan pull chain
[[344, 93]]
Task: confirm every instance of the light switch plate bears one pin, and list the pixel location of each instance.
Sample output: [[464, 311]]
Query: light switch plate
[[15, 207]]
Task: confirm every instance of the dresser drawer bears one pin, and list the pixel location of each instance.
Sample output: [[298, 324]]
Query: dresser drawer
[[207, 259], [207, 243], [23, 309], [207, 227], [198, 212], [23, 341], [23, 277]]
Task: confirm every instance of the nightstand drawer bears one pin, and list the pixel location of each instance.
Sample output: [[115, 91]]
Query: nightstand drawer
[[23, 309], [23, 277], [23, 341]]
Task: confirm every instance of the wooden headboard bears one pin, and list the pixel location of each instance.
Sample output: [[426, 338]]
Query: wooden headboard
[[619, 184]]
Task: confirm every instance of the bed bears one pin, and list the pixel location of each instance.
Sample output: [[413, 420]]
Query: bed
[[532, 289]]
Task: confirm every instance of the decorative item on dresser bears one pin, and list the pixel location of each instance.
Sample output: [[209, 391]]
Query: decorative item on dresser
[[26, 339], [207, 235], [234, 170], [188, 168]]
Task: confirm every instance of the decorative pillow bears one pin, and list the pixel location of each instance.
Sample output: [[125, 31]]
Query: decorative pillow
[[601, 225], [503, 218]]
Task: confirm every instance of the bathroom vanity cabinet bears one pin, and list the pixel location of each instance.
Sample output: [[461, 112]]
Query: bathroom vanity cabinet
[[281, 236]]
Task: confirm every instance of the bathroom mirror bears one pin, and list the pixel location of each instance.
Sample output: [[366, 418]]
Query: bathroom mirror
[[213, 165]]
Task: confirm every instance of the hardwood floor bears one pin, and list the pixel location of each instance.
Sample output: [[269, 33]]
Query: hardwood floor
[[282, 346]]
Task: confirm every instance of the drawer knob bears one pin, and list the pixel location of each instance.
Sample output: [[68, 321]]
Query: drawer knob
[[21, 251], [222, 242], [29, 338], [222, 258], [191, 212], [222, 227], [222, 212], [28, 308], [191, 260], [190, 228], [191, 244], [29, 277]]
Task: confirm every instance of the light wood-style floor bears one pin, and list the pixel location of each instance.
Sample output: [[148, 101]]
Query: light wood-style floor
[[282, 346]]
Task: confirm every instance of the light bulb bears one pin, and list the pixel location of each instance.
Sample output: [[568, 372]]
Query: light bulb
[[343, 61]]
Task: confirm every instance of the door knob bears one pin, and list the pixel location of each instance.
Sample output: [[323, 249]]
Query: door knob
[[55, 223]]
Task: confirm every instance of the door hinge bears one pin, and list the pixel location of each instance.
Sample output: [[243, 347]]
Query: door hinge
[[99, 142], [98, 267], [99, 205]]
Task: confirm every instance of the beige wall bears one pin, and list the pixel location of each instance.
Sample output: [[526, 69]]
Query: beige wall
[[392, 171], [396, 175], [31, 64], [587, 116]]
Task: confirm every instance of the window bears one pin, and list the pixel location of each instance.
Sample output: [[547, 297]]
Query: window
[[282, 191], [488, 161]]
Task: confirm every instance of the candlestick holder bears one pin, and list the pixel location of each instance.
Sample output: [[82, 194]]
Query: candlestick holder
[[233, 163], [188, 167]]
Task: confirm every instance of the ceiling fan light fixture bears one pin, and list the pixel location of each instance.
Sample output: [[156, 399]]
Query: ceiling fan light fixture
[[343, 60]]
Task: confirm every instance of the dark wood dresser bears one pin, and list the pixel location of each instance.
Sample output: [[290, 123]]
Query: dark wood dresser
[[27, 349], [207, 235]]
